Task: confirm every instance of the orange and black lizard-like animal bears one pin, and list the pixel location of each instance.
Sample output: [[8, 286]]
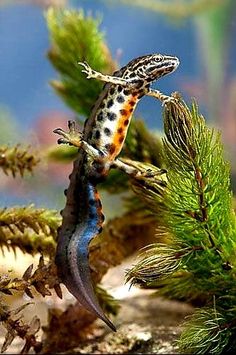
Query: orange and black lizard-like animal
[[99, 145]]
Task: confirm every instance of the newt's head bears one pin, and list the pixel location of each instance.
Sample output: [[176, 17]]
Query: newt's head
[[151, 67]]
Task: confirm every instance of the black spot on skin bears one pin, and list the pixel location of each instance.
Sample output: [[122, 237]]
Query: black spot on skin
[[111, 148], [132, 103], [120, 99], [111, 116], [139, 83], [112, 91], [131, 109], [101, 154], [116, 73], [97, 134], [107, 131], [92, 215], [120, 130], [90, 135], [100, 117], [126, 122], [110, 103], [100, 169], [92, 202], [102, 105], [123, 112], [119, 88], [126, 92], [121, 139], [132, 75]]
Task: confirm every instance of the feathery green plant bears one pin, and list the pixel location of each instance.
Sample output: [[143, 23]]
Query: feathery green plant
[[76, 38], [198, 262], [17, 160], [32, 230]]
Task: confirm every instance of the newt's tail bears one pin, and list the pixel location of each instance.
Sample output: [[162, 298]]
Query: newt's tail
[[82, 221]]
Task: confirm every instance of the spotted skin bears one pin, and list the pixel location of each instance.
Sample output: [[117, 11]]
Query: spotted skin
[[102, 139]]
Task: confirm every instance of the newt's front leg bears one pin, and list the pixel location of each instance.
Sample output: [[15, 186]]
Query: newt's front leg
[[93, 74], [129, 83]]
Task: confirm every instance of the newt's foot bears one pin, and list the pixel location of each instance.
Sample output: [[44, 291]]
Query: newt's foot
[[87, 70], [174, 99], [166, 100], [72, 137]]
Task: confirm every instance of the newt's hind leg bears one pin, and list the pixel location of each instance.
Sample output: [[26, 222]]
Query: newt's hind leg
[[143, 175], [72, 137], [136, 169]]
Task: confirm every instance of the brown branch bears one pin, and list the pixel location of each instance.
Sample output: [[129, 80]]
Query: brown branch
[[13, 323]]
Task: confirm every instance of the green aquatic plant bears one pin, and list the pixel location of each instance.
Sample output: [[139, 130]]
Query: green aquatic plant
[[17, 160], [197, 264], [76, 38], [32, 230]]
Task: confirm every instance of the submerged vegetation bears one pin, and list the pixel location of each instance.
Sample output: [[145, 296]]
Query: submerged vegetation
[[189, 208]]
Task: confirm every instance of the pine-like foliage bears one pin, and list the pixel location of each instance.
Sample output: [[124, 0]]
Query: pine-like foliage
[[198, 262], [76, 38], [17, 160], [33, 230]]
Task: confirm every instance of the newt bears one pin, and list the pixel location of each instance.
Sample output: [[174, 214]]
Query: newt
[[99, 145]]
